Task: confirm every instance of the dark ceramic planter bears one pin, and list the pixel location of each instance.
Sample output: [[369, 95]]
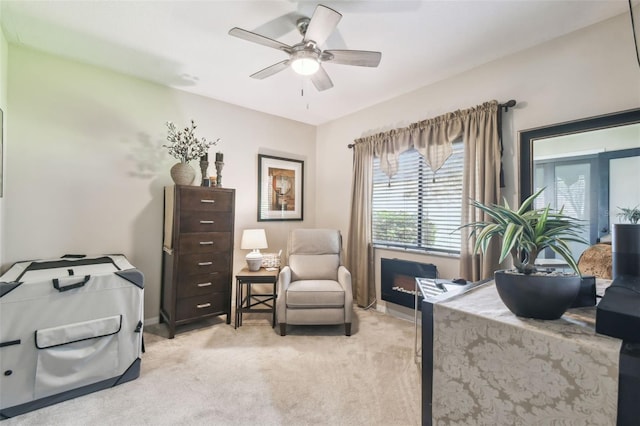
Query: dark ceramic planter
[[544, 297]]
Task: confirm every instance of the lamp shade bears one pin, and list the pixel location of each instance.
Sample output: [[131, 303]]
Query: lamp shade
[[253, 239]]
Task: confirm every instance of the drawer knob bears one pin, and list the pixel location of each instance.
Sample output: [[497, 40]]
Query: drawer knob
[[208, 201], [206, 243], [205, 263], [203, 305], [204, 284], [206, 222]]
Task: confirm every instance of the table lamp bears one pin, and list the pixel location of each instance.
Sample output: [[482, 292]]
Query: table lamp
[[254, 240]]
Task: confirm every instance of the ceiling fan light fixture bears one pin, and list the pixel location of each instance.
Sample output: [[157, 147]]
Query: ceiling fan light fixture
[[305, 58], [305, 65]]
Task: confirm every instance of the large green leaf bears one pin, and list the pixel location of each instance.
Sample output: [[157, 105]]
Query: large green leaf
[[563, 250], [510, 239], [527, 203], [542, 221]]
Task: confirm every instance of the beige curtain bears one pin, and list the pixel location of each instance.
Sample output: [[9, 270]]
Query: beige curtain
[[478, 127], [481, 182], [358, 259]]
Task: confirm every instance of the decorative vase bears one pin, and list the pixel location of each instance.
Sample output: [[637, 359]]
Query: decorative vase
[[544, 297], [182, 174]]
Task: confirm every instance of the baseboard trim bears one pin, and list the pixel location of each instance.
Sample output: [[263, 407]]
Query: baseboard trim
[[152, 321]]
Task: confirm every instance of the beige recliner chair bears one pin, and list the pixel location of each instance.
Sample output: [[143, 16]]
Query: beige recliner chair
[[314, 288]]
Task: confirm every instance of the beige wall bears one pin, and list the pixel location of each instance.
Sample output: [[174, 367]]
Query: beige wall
[[586, 73], [85, 166], [4, 53]]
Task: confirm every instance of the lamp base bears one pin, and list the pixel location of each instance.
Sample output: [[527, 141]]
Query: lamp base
[[254, 261], [254, 264]]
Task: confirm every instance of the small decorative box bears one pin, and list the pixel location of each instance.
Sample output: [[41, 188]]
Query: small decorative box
[[270, 260]]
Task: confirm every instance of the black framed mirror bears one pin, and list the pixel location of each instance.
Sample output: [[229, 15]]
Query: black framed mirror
[[589, 166]]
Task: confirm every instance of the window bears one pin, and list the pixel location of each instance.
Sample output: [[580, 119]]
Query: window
[[416, 209]]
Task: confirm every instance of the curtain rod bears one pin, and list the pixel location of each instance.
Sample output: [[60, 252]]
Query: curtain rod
[[509, 104]]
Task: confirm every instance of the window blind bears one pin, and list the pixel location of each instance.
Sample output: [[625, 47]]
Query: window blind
[[417, 209]]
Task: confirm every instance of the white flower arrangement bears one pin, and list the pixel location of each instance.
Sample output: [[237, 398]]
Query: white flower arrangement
[[184, 145]]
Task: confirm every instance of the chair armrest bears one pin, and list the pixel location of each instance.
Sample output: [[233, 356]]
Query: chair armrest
[[284, 279], [344, 279]]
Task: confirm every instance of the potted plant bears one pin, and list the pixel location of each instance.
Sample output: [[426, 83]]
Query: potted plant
[[630, 214], [185, 146], [524, 233], [625, 243]]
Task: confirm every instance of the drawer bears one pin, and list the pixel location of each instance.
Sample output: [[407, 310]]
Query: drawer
[[202, 263], [196, 221], [200, 242], [195, 285], [198, 306], [197, 199]]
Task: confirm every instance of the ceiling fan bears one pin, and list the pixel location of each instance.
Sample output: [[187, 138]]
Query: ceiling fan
[[306, 57]]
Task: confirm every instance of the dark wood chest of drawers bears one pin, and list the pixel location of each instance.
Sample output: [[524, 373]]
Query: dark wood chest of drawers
[[197, 254]]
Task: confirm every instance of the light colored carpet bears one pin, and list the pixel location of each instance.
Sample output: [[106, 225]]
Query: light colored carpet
[[213, 374]]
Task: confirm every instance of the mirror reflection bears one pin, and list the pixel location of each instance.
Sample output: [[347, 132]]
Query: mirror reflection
[[590, 171]]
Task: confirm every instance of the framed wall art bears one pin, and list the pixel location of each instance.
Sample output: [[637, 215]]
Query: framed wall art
[[280, 188]]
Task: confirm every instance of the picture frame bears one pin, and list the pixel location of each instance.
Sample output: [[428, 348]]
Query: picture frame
[[280, 188]]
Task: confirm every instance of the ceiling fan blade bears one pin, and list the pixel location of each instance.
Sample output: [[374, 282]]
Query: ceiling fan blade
[[271, 70], [260, 39], [361, 58], [322, 24], [321, 80], [280, 26]]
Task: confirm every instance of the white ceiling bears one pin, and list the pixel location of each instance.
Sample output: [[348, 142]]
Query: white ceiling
[[185, 45]]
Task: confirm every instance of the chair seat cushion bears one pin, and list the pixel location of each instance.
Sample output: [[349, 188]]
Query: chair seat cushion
[[315, 293]]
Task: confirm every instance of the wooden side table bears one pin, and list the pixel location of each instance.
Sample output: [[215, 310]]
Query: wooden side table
[[249, 302]]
